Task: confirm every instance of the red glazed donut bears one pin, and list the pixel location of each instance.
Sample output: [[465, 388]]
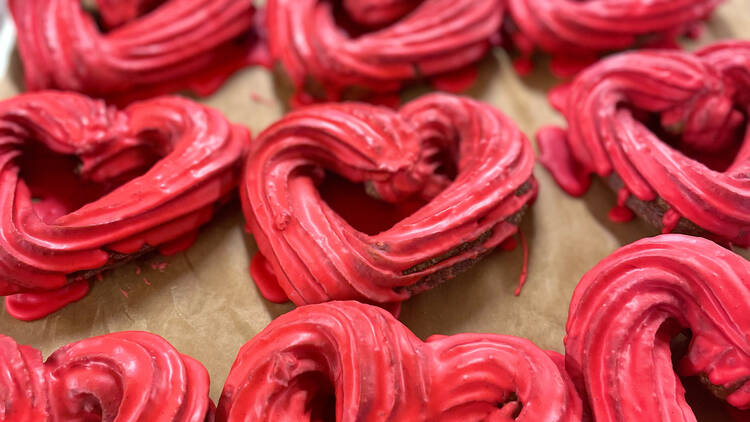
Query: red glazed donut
[[347, 361], [316, 256], [48, 248], [626, 310], [437, 38], [121, 377], [182, 44], [700, 103], [583, 30]]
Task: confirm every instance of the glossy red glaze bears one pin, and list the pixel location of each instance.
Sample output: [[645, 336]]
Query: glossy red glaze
[[120, 377], [702, 99], [579, 31], [627, 309], [379, 12], [118, 12], [58, 238], [347, 361], [182, 44], [437, 38], [317, 256]]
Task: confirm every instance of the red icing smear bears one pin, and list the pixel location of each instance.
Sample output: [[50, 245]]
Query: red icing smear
[[621, 213], [433, 40], [525, 267], [324, 239], [558, 96], [626, 310], [182, 44], [576, 33], [565, 66], [698, 120], [379, 370], [147, 176], [509, 244], [32, 306], [182, 243], [523, 66], [555, 155], [456, 81], [264, 277], [126, 376], [386, 100], [669, 221]]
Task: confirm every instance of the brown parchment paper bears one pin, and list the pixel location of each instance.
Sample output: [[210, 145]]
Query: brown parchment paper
[[204, 302]]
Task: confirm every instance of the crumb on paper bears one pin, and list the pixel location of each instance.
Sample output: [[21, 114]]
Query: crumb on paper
[[138, 270], [124, 293], [161, 266], [99, 276], [260, 99], [145, 281]]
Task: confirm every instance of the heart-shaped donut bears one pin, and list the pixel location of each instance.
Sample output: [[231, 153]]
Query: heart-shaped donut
[[582, 30], [56, 228], [121, 377], [315, 255], [181, 44], [348, 361], [626, 310], [437, 38], [693, 174]]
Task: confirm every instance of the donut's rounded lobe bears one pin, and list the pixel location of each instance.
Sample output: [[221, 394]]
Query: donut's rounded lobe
[[125, 376], [626, 311], [378, 370]]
